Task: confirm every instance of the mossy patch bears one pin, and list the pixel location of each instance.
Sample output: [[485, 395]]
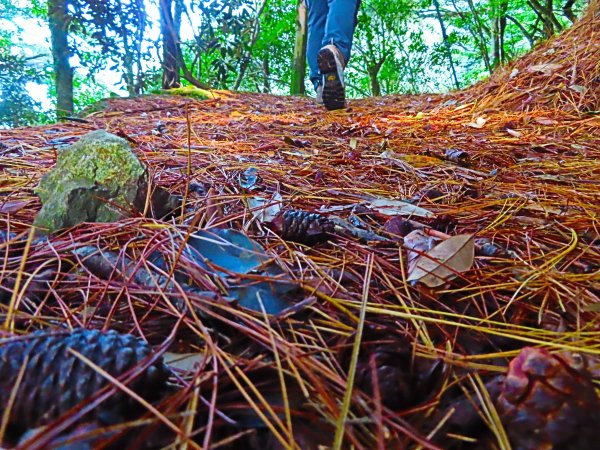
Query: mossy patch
[[190, 91]]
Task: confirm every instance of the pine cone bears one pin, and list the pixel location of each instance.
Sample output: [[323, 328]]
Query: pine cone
[[55, 380], [403, 380], [303, 227], [549, 402]]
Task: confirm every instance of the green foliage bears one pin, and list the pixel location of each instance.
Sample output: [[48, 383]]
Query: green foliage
[[17, 107], [398, 45]]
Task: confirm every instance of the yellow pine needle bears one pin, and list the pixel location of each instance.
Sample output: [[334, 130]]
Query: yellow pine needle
[[341, 423]]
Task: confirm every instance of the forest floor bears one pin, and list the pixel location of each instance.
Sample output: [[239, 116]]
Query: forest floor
[[522, 184]]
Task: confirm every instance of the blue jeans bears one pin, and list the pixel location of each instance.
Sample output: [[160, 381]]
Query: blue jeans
[[329, 22]]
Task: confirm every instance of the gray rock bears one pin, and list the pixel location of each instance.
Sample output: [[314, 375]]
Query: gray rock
[[97, 179]]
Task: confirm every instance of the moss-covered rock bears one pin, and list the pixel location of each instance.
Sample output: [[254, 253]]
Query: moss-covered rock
[[97, 179]]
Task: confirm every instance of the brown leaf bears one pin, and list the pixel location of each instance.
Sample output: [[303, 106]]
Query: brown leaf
[[391, 207], [545, 121], [546, 68], [13, 207], [443, 262], [186, 362], [478, 123], [417, 242]]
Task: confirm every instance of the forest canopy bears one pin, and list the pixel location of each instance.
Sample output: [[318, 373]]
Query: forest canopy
[[63, 55]]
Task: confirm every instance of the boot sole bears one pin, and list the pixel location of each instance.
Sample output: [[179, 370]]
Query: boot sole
[[334, 92]]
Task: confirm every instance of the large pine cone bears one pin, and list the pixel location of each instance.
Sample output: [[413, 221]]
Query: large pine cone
[[55, 380], [303, 227], [549, 402]]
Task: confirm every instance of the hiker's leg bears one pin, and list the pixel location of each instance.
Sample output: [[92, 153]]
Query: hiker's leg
[[317, 18], [341, 22]]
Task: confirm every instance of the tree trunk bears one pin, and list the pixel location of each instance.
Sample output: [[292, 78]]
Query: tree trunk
[[266, 74], [479, 37], [171, 77], [546, 14], [498, 32], [299, 64], [446, 42], [526, 33], [58, 22], [568, 11], [373, 70]]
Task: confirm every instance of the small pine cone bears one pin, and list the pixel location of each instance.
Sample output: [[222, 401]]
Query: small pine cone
[[403, 380], [303, 227], [549, 402], [55, 380]]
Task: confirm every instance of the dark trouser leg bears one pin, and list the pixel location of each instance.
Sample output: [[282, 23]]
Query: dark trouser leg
[[317, 18]]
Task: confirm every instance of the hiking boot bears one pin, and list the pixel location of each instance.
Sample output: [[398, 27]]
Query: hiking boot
[[331, 64]]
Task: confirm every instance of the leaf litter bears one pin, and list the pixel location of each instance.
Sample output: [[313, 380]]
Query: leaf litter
[[298, 232]]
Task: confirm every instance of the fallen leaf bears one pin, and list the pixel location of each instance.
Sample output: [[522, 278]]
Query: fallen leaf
[[13, 207], [230, 250], [249, 178], [514, 133], [457, 156], [185, 362], [444, 261], [545, 121], [417, 242], [546, 68], [478, 123], [578, 88], [353, 143], [265, 209], [391, 207], [298, 143]]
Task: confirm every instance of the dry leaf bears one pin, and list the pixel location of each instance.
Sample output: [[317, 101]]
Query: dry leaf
[[390, 207], [545, 121], [479, 123], [578, 88], [514, 133], [186, 362], [546, 69], [417, 242], [443, 262], [265, 210], [13, 207]]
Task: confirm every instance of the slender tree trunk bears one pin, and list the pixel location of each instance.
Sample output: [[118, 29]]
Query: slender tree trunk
[[248, 53], [299, 64], [568, 10], [526, 33], [58, 22], [446, 42], [139, 76], [479, 37], [546, 14], [266, 74], [498, 31], [171, 77], [373, 70]]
